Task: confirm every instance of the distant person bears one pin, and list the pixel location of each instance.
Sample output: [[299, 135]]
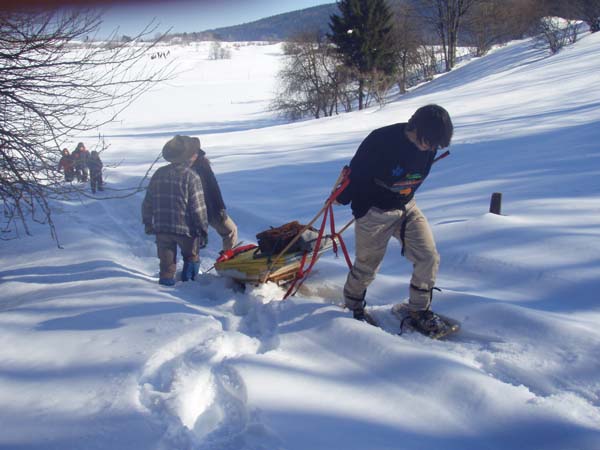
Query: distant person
[[215, 206], [81, 156], [95, 166], [67, 165], [387, 169], [174, 210]]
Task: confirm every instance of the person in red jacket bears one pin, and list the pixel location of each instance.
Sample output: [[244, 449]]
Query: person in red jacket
[[67, 165]]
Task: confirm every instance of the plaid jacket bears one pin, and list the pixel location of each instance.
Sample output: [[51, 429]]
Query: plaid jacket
[[174, 202]]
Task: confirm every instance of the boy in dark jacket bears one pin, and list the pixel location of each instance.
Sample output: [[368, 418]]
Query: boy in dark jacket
[[215, 206], [95, 166], [174, 210], [387, 169], [67, 164]]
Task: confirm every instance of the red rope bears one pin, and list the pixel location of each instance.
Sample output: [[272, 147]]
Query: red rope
[[299, 274], [302, 274]]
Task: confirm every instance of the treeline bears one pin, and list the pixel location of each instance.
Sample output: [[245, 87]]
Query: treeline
[[371, 46]]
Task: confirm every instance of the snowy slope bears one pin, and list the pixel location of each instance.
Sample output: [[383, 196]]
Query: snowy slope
[[94, 354]]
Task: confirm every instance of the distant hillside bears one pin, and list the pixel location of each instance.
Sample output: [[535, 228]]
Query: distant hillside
[[283, 26], [279, 27]]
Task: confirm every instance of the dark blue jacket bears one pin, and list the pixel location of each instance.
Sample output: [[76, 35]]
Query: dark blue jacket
[[386, 171]]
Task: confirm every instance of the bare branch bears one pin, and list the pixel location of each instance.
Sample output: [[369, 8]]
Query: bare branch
[[54, 85]]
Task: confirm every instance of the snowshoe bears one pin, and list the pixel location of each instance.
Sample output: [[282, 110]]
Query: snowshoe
[[428, 323]]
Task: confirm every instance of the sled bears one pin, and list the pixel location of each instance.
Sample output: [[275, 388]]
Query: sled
[[287, 254], [248, 264]]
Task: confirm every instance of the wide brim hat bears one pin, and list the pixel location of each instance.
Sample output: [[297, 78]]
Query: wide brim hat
[[181, 149]]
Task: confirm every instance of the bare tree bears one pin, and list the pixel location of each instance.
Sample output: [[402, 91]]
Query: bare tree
[[217, 51], [55, 85], [378, 85], [555, 33], [486, 24], [408, 39], [310, 80], [447, 16]]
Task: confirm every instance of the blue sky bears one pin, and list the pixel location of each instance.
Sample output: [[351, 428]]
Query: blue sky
[[198, 15]]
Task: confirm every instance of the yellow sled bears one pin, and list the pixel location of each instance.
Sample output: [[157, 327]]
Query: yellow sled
[[249, 265]]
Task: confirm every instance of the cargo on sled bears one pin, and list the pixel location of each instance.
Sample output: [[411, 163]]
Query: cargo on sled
[[261, 263], [287, 254]]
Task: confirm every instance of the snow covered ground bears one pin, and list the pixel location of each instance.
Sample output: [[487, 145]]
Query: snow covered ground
[[94, 354]]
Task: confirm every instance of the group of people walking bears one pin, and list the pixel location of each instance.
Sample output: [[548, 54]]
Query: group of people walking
[[392, 162], [82, 165]]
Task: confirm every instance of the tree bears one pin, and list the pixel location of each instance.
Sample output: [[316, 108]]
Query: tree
[[486, 25], [54, 87], [217, 51], [362, 35], [555, 33], [311, 82], [589, 11], [446, 16], [408, 40]]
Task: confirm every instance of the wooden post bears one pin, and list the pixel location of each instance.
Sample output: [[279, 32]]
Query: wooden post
[[496, 203]]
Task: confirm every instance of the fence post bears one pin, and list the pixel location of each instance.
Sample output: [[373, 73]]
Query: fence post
[[496, 203]]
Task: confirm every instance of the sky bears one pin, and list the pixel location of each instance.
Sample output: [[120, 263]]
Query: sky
[[186, 15]]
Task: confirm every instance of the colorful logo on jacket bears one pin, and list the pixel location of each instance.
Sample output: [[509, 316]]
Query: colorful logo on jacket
[[408, 184], [397, 171]]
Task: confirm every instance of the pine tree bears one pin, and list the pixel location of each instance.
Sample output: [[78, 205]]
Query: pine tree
[[362, 34]]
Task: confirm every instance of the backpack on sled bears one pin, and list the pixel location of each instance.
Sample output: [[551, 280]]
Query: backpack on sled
[[275, 240]]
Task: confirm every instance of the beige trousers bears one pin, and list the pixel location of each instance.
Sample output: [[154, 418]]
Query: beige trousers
[[373, 232], [166, 245], [226, 228]]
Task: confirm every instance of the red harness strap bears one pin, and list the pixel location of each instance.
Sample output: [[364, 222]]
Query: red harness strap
[[302, 274], [228, 254]]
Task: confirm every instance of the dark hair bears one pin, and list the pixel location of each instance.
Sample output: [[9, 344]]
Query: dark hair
[[433, 125]]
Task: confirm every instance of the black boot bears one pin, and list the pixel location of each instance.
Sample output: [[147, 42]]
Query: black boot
[[362, 315]]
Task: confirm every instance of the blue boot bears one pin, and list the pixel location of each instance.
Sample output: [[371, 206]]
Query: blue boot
[[190, 270], [167, 281]]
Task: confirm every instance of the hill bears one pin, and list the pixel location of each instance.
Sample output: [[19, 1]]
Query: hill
[[279, 27], [283, 26]]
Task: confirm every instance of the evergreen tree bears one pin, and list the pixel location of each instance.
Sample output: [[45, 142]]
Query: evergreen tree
[[362, 34]]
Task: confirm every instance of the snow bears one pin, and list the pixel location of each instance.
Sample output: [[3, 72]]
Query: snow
[[95, 354]]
